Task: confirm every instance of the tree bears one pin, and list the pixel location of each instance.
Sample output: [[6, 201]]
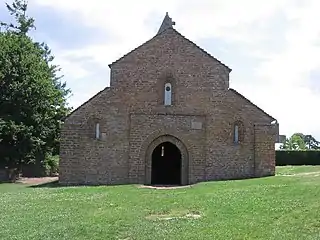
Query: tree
[[295, 142], [299, 141], [33, 99], [311, 142]]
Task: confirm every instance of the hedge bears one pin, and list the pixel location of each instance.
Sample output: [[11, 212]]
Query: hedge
[[284, 157]]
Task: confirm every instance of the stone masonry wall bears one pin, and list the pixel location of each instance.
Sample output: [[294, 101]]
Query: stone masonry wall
[[265, 138], [226, 159], [86, 160], [147, 128], [141, 75]]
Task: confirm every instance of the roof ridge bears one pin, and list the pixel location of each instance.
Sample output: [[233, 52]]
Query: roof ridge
[[203, 50]]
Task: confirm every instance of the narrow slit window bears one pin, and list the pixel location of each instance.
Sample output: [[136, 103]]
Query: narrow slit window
[[236, 133], [97, 130], [162, 151], [167, 94]]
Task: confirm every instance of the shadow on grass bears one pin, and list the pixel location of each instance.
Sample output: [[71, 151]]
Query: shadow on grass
[[53, 184], [56, 184]]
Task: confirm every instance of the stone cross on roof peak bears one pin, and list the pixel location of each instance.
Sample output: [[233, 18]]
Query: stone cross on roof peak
[[166, 23]]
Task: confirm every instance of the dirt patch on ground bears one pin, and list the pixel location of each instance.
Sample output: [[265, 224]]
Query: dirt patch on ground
[[175, 215], [170, 217], [37, 181]]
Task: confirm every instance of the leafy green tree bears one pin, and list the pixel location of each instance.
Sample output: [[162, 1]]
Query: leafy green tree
[[33, 99], [295, 142], [311, 142], [300, 141]]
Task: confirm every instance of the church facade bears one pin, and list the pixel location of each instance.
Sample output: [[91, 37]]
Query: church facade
[[168, 117]]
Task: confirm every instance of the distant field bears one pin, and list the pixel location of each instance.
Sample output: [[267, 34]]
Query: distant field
[[286, 206]]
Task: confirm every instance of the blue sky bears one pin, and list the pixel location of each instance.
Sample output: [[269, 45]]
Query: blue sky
[[272, 46]]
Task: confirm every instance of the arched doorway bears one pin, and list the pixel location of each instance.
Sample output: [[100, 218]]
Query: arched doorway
[[166, 165], [157, 139]]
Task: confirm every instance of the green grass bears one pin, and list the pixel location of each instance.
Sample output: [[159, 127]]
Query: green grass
[[293, 170], [280, 207]]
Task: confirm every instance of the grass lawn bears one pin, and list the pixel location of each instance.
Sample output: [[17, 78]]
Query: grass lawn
[[286, 206], [300, 170]]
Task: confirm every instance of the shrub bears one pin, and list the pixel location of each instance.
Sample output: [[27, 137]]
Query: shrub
[[292, 157], [52, 165]]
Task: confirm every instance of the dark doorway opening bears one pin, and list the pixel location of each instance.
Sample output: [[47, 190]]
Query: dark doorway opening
[[166, 165]]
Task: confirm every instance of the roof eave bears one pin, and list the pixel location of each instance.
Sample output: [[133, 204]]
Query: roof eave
[[260, 109], [83, 104]]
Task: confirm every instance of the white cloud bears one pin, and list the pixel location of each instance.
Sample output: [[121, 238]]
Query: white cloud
[[287, 72], [279, 83]]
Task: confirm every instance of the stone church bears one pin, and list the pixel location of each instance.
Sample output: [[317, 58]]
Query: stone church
[[169, 117]]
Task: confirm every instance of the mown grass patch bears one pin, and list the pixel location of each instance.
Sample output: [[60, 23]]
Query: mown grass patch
[[280, 207]]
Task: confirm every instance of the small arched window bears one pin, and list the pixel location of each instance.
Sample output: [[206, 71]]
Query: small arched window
[[97, 131], [238, 133], [167, 94]]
